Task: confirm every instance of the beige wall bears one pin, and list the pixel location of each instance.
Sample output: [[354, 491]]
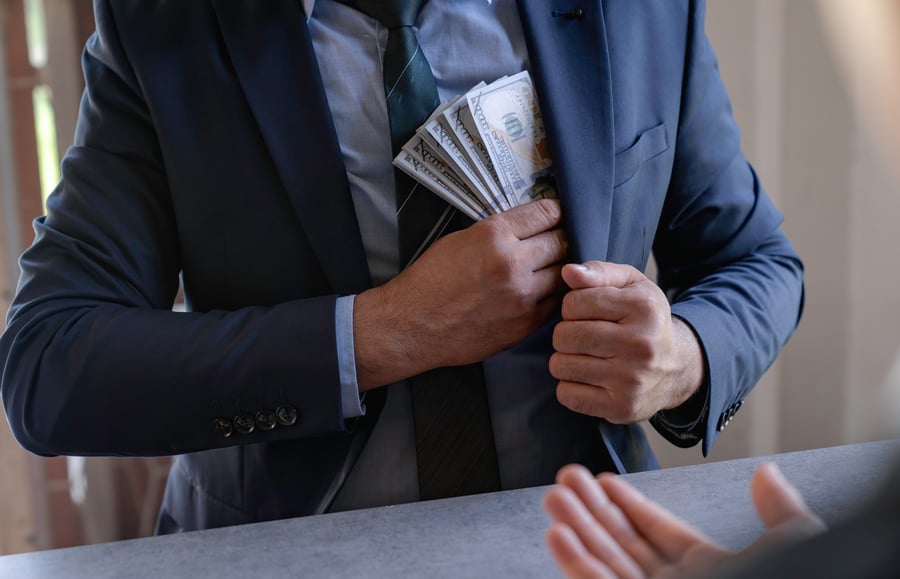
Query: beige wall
[[802, 135]]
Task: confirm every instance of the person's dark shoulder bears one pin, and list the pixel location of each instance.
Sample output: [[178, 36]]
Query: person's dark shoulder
[[865, 546]]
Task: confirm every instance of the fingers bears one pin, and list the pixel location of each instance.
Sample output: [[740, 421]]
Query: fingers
[[592, 401], [530, 219], [605, 526], [640, 301], [777, 501], [666, 533], [602, 402], [604, 303], [601, 274], [782, 508], [547, 248], [608, 514], [590, 371], [564, 506], [600, 339], [606, 321], [549, 282], [572, 557]]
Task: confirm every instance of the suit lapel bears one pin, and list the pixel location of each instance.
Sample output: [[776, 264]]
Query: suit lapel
[[571, 70], [273, 58]]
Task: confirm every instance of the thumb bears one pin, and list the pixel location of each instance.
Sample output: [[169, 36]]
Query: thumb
[[600, 274], [777, 501]]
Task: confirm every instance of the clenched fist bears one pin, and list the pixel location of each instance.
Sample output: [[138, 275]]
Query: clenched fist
[[620, 355]]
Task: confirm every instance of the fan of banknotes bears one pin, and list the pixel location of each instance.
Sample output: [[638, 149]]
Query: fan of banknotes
[[485, 151]]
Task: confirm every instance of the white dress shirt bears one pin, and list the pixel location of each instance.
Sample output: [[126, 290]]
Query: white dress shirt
[[465, 42]]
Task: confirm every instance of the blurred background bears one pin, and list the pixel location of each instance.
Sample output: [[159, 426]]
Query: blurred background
[[815, 90]]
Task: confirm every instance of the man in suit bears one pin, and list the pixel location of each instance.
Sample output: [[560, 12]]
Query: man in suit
[[246, 147]]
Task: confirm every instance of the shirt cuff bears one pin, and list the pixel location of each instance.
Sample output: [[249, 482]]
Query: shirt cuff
[[351, 400], [685, 425]]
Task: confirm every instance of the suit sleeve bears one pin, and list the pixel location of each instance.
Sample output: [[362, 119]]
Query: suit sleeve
[[93, 360], [723, 259]]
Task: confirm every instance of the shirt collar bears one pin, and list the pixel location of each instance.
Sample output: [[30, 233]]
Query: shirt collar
[[308, 6]]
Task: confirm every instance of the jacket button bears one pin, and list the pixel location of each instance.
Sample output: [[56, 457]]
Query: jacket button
[[223, 427], [287, 415], [266, 420], [244, 423]]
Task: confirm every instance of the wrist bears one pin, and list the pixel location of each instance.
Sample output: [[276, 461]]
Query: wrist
[[692, 365], [388, 342]]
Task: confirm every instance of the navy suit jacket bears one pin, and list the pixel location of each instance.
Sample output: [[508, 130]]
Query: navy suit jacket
[[205, 150]]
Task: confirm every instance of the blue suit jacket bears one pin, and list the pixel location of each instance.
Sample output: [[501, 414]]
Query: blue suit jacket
[[205, 149]]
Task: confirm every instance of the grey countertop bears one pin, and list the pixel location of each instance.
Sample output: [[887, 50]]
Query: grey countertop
[[494, 535]]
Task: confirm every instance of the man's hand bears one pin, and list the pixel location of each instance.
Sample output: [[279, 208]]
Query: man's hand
[[606, 528], [620, 355], [473, 294]]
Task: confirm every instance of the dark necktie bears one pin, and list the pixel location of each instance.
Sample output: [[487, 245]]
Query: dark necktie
[[455, 449]]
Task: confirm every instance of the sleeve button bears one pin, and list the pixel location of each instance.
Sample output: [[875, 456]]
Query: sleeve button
[[266, 420], [244, 423], [223, 427], [286, 415]]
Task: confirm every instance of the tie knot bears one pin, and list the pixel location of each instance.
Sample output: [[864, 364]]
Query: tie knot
[[391, 13]]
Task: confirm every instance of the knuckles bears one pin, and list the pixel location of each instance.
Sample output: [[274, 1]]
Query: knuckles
[[504, 276], [579, 304], [546, 211], [572, 338], [625, 396], [577, 403], [562, 241], [520, 298], [580, 337], [644, 347], [491, 227], [570, 305], [642, 302], [556, 365], [650, 304], [570, 368]]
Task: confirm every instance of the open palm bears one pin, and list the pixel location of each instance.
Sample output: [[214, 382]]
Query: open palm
[[605, 528]]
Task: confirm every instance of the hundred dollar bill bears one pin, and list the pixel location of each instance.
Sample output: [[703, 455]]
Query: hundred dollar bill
[[509, 122], [419, 162], [440, 139], [459, 123], [420, 149]]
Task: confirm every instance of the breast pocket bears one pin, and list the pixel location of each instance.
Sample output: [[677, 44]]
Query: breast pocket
[[641, 178], [649, 145]]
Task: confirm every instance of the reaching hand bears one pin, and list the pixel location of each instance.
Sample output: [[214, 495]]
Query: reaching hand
[[473, 294], [605, 528]]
